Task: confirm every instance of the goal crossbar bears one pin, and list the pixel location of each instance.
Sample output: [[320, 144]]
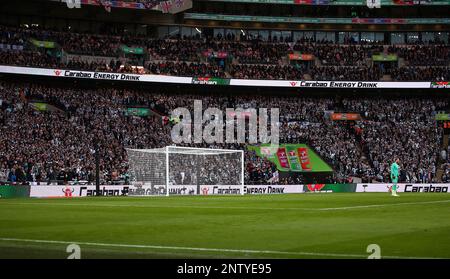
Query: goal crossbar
[[187, 150]]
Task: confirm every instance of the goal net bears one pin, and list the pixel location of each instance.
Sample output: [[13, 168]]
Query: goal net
[[174, 170]]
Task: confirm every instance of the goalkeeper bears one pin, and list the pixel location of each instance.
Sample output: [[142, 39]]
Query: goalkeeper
[[394, 176]]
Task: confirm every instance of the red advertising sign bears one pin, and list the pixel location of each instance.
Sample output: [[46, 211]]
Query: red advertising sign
[[282, 158], [315, 187], [301, 56], [304, 158], [345, 116]]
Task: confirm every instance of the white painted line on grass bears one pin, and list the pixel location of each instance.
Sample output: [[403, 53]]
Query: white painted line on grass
[[221, 207], [199, 249], [382, 205], [155, 206]]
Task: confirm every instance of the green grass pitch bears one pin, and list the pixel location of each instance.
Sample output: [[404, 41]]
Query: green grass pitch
[[319, 225]]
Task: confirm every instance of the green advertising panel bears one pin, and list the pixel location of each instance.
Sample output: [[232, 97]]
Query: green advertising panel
[[40, 106], [440, 84], [137, 112], [9, 191], [44, 44], [381, 57], [133, 50], [335, 188], [292, 157], [210, 81], [443, 116]]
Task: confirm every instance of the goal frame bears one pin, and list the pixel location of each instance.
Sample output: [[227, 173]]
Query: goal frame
[[195, 150]]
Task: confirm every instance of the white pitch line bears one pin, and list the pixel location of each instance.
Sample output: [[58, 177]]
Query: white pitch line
[[239, 251], [225, 207], [381, 205], [156, 206]]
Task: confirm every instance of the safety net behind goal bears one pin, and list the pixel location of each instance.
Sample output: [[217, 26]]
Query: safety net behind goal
[[187, 170]]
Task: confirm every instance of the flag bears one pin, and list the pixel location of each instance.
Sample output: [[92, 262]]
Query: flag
[[105, 4], [312, 2], [150, 4], [410, 2], [374, 4], [174, 6], [165, 120], [275, 177], [178, 3], [291, 46], [166, 6]]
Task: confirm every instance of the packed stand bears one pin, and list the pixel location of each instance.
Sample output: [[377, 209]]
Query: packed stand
[[400, 128], [61, 144], [223, 56]]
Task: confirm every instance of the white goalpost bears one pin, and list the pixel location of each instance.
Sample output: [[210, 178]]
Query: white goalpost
[[175, 170]]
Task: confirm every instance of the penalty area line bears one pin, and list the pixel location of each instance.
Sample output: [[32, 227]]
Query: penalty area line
[[200, 249]]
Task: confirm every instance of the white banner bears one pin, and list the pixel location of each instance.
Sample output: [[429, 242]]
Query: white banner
[[149, 190], [93, 75], [68, 191], [160, 190], [188, 80], [329, 84], [139, 189], [404, 187], [220, 190], [249, 189], [273, 189]]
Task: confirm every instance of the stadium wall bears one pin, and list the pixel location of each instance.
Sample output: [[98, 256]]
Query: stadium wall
[[9, 191], [70, 191]]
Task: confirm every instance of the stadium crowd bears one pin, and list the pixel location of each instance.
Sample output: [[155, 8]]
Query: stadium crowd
[[445, 164], [60, 143], [404, 129], [222, 56]]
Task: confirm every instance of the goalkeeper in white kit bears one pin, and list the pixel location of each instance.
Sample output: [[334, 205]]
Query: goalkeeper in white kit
[[395, 170]]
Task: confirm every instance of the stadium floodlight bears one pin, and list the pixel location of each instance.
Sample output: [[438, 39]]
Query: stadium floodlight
[[197, 169]]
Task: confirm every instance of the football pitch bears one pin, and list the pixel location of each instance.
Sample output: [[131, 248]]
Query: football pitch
[[318, 225]]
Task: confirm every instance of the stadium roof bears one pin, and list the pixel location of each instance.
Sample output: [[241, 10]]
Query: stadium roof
[[343, 2], [169, 6], [280, 19]]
